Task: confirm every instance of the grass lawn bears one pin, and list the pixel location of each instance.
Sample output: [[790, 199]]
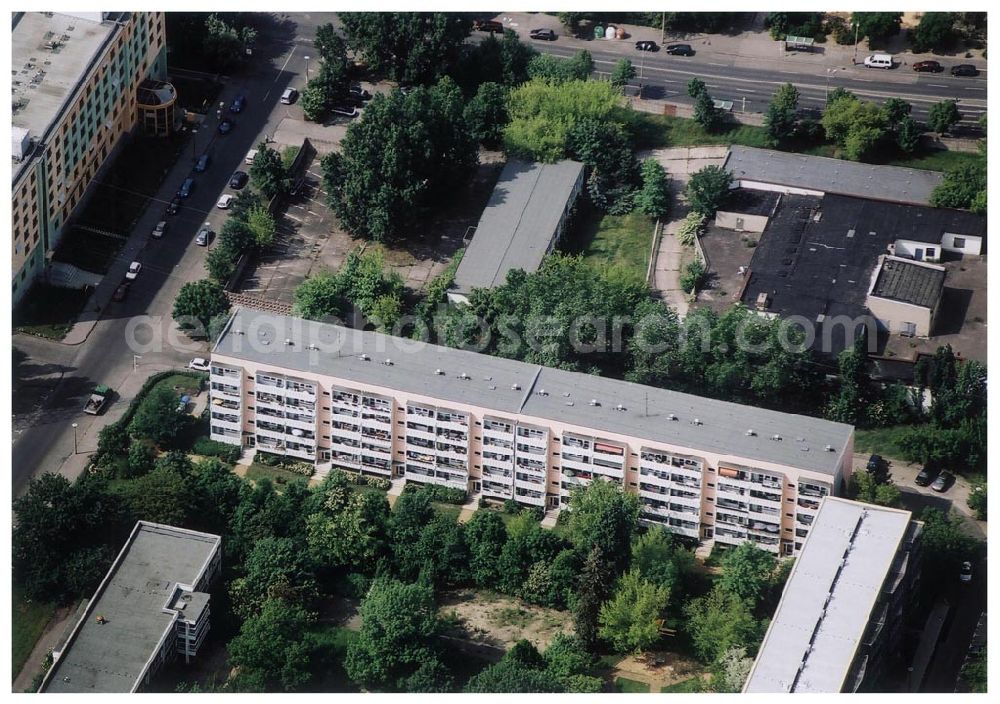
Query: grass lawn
[[937, 160], [29, 621], [614, 241], [181, 383], [49, 311], [279, 476], [882, 441], [653, 131], [623, 684], [688, 686], [288, 155]]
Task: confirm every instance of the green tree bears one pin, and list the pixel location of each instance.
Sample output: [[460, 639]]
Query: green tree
[[319, 297], [408, 47], [216, 493], [313, 101], [943, 115], [977, 499], [157, 419], [975, 672], [946, 544], [896, 109], [268, 172], [707, 189], [780, 121], [857, 126], [554, 69], [486, 114], [877, 26], [606, 149], [566, 658], [630, 620], [275, 568], [867, 488], [732, 670], [603, 516], [694, 276], [226, 44], [406, 156], [961, 186], [720, 621], [622, 73], [662, 560], [141, 458], [399, 628], [486, 536], [261, 224], [272, 645], [696, 87], [852, 401], [334, 72], [936, 31], [908, 135], [594, 590], [244, 202], [162, 496], [705, 112], [202, 302], [64, 536], [654, 197], [747, 572], [511, 677]]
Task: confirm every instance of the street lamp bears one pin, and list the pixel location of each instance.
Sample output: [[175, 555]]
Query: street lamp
[[829, 72], [135, 362], [75, 450], [307, 67], [857, 26]]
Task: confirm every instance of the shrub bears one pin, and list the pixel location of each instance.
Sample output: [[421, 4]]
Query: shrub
[[693, 277], [269, 459], [213, 448], [441, 494], [512, 507], [692, 226]]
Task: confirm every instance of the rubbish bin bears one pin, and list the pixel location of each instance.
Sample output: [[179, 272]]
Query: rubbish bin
[[598, 32]]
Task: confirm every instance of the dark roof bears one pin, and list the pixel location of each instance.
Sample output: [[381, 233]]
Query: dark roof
[[817, 255], [850, 178], [909, 282], [519, 224], [750, 202]]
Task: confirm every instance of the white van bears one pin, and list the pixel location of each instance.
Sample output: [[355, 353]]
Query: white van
[[248, 159], [879, 61]]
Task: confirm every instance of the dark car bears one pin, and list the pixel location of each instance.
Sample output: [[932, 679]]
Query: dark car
[[186, 188], [964, 70], [875, 464], [120, 293], [488, 26], [226, 126], [239, 180], [928, 66], [925, 476], [174, 206], [360, 93], [202, 163], [965, 574], [546, 34], [943, 482], [680, 50], [239, 102], [647, 46]]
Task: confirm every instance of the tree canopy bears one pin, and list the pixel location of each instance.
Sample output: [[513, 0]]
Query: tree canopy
[[201, 303], [708, 188], [630, 620]]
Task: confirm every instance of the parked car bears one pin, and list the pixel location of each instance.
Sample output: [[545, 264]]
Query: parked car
[[488, 26], [159, 229], [965, 574], [226, 126], [546, 34], [928, 66], [925, 476], [964, 70], [239, 102], [204, 236], [345, 110], [202, 164], [875, 464], [120, 292], [647, 46], [879, 61], [186, 188], [199, 364], [943, 482], [239, 180], [289, 96], [225, 201], [248, 159], [360, 93], [133, 271], [680, 50], [174, 205]]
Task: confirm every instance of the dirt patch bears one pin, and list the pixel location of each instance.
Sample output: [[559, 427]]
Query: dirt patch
[[658, 669], [501, 621]]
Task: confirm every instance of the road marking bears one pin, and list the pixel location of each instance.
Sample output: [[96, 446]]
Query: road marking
[[723, 65], [975, 89], [746, 90], [292, 217], [935, 85], [290, 55]]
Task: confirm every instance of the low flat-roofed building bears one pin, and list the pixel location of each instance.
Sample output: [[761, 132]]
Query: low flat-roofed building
[[842, 609], [151, 606], [522, 221], [905, 295]]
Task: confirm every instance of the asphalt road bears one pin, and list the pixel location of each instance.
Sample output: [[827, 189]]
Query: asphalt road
[[968, 602], [46, 439], [665, 77]]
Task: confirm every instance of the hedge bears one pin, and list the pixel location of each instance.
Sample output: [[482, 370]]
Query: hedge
[[441, 494], [213, 448], [380, 483]]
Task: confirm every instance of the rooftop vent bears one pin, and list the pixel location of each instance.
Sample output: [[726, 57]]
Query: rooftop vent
[[594, 402], [364, 358], [439, 372], [515, 387], [288, 341], [313, 346], [463, 375], [566, 394], [237, 332], [671, 416], [697, 421], [776, 437], [829, 448], [750, 433], [569, 403], [619, 407], [542, 392], [387, 362]]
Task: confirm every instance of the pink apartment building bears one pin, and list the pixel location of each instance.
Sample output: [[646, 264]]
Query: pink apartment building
[[503, 429]]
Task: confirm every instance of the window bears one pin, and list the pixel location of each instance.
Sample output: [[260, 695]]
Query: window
[[931, 253], [958, 243], [908, 329]]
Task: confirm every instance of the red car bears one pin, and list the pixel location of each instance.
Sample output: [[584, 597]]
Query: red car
[[120, 293], [928, 66]]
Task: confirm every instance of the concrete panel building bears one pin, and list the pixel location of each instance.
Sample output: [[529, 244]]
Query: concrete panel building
[[503, 429], [522, 222], [152, 606], [904, 295], [840, 617], [76, 80]]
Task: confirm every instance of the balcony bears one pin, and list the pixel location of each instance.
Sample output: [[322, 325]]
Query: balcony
[[300, 423], [529, 497], [423, 458], [808, 505], [499, 491], [503, 475], [264, 382], [418, 471], [225, 390], [301, 452], [300, 394], [453, 426], [419, 433], [729, 504]]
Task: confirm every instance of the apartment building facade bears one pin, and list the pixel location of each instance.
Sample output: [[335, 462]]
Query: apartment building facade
[[76, 93], [503, 429], [841, 615]]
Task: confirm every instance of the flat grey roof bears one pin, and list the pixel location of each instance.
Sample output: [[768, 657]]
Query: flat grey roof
[[112, 656], [645, 409], [519, 223], [828, 598], [42, 77], [847, 178], [909, 282]]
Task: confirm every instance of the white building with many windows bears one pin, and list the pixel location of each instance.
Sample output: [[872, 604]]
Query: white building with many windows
[[503, 429]]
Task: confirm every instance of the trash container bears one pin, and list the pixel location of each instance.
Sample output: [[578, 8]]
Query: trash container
[[598, 32]]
